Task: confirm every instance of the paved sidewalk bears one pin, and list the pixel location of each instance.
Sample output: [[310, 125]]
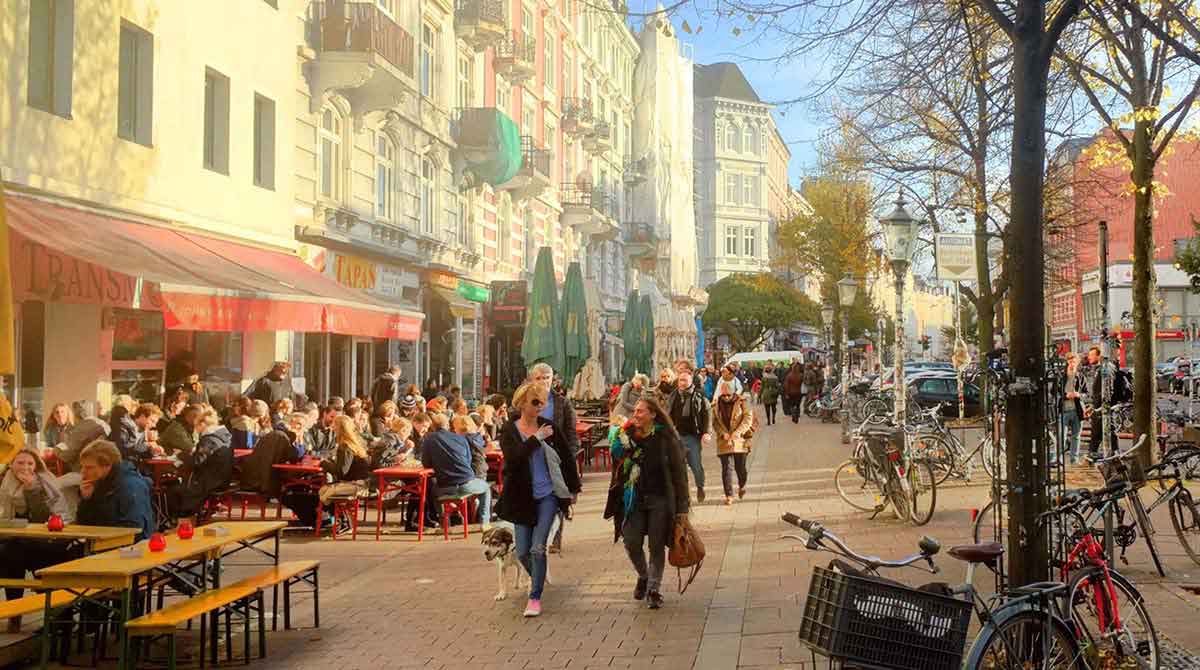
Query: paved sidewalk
[[396, 603]]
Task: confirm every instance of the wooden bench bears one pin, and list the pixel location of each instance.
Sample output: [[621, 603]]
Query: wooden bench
[[204, 605], [35, 603], [288, 574]]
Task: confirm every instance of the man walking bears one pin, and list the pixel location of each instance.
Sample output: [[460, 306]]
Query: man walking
[[273, 386], [1102, 376], [689, 411]]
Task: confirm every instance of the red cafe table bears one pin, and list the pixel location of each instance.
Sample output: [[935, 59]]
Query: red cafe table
[[412, 480]]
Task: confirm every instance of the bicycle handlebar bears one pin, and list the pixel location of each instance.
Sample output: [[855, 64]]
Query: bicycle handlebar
[[817, 534], [1123, 454]]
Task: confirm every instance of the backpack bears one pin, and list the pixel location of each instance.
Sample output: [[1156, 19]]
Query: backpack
[[1122, 388]]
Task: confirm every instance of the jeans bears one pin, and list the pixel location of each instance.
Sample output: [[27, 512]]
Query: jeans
[[531, 544], [476, 487], [770, 409], [691, 447], [1098, 433], [1071, 427], [651, 519], [730, 463]]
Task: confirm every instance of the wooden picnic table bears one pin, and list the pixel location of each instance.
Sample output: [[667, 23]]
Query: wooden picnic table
[[404, 479], [109, 571], [95, 538]]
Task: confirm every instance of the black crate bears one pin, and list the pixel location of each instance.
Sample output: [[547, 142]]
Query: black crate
[[873, 624]]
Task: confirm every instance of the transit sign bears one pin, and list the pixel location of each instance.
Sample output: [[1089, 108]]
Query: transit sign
[[956, 256]]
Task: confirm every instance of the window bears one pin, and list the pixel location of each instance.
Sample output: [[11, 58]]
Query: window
[[504, 233], [428, 199], [530, 248], [137, 335], [264, 142], [750, 139], [732, 138], [464, 82], [568, 76], [385, 161], [547, 58], [731, 240], [428, 53], [51, 55], [748, 191], [526, 24], [503, 96], [731, 189], [465, 238], [751, 242], [331, 154], [135, 85], [216, 121], [528, 116]]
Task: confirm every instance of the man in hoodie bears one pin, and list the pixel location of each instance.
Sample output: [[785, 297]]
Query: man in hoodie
[[130, 436], [273, 386], [689, 410], [449, 455], [112, 491]]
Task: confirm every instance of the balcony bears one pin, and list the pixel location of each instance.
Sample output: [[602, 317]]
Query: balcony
[[533, 177], [577, 118], [641, 240], [488, 147], [480, 23], [599, 140], [634, 171], [515, 59], [359, 52], [591, 211]]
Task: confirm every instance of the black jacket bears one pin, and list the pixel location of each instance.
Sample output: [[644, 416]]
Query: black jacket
[[662, 444], [120, 499], [516, 503], [700, 408], [256, 471], [564, 423], [270, 390], [211, 469], [386, 387]]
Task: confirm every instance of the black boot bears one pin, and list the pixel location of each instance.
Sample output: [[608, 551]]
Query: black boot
[[654, 600], [639, 591]]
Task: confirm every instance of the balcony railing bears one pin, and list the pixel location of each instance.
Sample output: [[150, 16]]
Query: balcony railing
[[518, 48], [534, 157], [640, 233], [579, 109], [361, 27], [573, 195], [606, 204], [480, 11]]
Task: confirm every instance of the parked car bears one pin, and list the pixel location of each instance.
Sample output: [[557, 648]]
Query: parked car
[[932, 390], [1164, 375]]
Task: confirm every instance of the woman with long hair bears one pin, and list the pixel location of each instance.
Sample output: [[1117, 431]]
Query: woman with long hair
[[59, 422], [793, 391], [649, 491], [732, 419], [28, 491], [529, 502]]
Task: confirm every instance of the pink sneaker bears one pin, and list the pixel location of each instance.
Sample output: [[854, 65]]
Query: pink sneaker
[[534, 608]]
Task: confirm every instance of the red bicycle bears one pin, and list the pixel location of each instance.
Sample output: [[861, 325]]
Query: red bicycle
[[1111, 622]]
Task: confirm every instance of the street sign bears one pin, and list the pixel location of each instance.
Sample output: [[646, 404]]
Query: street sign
[[956, 256]]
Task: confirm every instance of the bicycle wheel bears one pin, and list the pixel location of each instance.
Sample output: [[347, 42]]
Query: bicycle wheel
[[898, 496], [922, 485], [993, 457], [937, 453], [857, 486], [1146, 528], [1027, 641], [1093, 610], [875, 406], [984, 528], [1185, 517]]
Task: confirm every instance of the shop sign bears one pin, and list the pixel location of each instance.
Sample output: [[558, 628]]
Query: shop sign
[[355, 272], [39, 273], [509, 293], [955, 254], [443, 280], [474, 292], [390, 283]]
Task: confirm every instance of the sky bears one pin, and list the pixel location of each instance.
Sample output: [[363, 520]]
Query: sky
[[714, 41]]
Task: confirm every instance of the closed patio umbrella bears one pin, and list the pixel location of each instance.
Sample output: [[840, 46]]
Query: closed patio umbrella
[[646, 332], [577, 348], [631, 336], [543, 340]]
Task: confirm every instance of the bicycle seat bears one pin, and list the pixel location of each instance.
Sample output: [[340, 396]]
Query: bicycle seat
[[986, 552]]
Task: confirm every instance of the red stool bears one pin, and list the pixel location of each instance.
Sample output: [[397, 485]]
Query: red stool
[[341, 505], [601, 457], [462, 504]]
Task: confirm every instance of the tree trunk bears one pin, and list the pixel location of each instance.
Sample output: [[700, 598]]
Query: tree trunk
[[985, 300], [1025, 418], [1143, 286]]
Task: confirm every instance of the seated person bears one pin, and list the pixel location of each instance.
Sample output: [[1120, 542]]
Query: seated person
[[449, 455], [210, 465], [29, 491], [465, 426], [320, 439], [393, 446], [347, 471], [178, 437], [279, 446], [130, 428], [81, 435], [112, 491]]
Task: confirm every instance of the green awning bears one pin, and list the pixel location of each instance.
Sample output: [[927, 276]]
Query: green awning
[[493, 128]]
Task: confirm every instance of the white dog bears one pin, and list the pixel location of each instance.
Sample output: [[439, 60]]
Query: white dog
[[500, 546]]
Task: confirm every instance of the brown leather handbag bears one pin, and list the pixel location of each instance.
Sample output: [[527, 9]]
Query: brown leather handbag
[[687, 551]]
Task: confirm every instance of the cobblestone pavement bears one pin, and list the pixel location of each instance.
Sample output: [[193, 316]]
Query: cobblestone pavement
[[396, 603]]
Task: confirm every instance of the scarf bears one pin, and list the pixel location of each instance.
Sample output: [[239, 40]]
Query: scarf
[[630, 454]]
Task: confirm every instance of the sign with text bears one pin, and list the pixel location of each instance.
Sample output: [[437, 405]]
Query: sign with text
[[355, 272], [956, 257], [41, 273]]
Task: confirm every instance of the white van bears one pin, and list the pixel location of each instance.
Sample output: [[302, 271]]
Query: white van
[[784, 358]]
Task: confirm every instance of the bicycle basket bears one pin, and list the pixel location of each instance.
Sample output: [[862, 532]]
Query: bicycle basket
[[859, 620], [1128, 468]]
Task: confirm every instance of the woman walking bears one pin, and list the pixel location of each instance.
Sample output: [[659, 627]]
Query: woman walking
[[649, 492], [793, 391], [770, 393], [529, 502], [732, 419]]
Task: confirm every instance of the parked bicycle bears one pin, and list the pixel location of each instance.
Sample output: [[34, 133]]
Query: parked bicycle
[[947, 454], [859, 619], [881, 471]]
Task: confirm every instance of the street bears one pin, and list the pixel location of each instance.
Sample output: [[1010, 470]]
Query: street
[[396, 603]]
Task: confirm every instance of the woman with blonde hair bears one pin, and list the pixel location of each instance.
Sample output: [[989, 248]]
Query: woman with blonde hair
[[210, 463], [732, 421], [349, 465], [59, 422], [28, 491]]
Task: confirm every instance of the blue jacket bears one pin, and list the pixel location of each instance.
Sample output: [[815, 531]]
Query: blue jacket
[[120, 499], [449, 454], [130, 440], [710, 385]]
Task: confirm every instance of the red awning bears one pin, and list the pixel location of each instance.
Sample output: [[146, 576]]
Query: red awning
[[199, 282]]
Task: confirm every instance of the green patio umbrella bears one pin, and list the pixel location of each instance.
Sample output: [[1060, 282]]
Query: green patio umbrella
[[631, 336], [543, 341], [646, 324], [577, 348]]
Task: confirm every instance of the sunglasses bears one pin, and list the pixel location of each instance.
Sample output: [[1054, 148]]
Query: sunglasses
[[537, 403]]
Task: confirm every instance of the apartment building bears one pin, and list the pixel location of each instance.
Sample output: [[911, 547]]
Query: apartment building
[[733, 131], [148, 186]]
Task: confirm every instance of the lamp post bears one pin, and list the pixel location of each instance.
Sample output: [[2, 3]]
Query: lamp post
[[900, 228], [827, 321], [846, 288]]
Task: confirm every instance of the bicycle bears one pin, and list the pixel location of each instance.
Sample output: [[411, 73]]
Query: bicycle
[[1179, 465], [882, 471], [1022, 629], [1096, 595], [948, 455]]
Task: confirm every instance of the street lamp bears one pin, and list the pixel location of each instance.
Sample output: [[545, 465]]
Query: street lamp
[[827, 321], [900, 230], [846, 289]]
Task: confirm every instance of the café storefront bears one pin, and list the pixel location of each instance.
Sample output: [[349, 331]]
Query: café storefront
[[453, 354]]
